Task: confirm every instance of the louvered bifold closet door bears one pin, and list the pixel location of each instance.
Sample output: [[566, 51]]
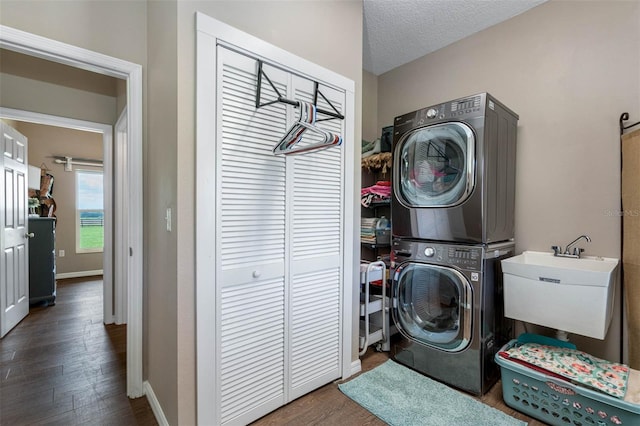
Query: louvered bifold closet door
[[251, 189], [316, 225]]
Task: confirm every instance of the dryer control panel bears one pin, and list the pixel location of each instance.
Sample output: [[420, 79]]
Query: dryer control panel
[[458, 109]]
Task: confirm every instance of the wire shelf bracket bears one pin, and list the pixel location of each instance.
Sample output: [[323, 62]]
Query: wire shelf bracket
[[281, 99]]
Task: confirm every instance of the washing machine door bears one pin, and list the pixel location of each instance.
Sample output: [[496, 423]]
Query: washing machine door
[[435, 165], [434, 305]]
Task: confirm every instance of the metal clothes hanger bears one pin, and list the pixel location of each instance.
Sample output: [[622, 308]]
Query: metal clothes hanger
[[288, 145], [294, 135]]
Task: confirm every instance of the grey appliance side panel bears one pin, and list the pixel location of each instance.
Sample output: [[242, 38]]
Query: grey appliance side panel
[[499, 165]]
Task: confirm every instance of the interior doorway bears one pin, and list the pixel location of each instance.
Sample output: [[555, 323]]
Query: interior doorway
[[131, 239], [109, 267]]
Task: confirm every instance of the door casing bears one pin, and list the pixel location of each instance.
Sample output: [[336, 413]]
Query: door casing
[[55, 51]]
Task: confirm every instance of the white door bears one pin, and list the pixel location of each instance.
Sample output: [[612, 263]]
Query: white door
[[251, 233], [279, 232], [14, 263], [274, 234], [315, 197]]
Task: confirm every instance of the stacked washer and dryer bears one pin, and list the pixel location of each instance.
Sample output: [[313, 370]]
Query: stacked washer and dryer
[[452, 213]]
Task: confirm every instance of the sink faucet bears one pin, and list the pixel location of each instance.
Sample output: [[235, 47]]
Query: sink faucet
[[557, 250]]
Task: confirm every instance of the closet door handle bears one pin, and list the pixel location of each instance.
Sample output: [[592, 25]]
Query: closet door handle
[[256, 274], [29, 235]]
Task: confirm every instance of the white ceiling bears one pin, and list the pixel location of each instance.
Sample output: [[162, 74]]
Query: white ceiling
[[398, 31]]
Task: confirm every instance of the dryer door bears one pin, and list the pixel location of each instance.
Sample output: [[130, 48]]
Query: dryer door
[[434, 305], [435, 165]]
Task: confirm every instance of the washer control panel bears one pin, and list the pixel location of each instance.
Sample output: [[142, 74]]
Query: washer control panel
[[429, 252], [462, 256], [465, 257]]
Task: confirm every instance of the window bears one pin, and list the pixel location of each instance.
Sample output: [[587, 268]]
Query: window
[[89, 212]]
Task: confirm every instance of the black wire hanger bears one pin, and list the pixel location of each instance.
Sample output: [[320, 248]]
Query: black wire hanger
[[331, 114]]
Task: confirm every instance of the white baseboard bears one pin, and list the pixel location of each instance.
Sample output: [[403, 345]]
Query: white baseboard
[[78, 274], [356, 367], [155, 404]]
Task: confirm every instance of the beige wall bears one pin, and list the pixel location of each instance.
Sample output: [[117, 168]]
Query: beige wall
[[115, 28], [569, 69], [370, 130], [33, 95], [162, 339], [45, 142]]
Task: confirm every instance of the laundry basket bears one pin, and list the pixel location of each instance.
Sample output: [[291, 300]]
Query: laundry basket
[[558, 402]]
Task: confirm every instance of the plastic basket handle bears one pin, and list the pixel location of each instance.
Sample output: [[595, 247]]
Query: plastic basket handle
[[560, 388]]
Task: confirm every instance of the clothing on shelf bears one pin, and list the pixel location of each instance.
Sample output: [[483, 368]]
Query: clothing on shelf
[[378, 193], [368, 229]]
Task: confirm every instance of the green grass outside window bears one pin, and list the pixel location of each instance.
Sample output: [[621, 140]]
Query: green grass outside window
[[91, 237]]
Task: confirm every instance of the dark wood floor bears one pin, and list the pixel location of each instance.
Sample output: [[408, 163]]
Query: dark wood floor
[[329, 406], [62, 366]]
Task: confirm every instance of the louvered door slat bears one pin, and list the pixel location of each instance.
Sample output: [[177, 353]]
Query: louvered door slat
[[318, 194], [252, 207], [316, 243], [238, 327], [251, 234], [315, 327]]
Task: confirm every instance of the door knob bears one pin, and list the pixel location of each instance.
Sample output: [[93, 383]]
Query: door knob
[[29, 235]]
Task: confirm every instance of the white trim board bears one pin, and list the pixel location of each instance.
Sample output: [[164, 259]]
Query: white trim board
[[79, 274], [155, 404], [44, 48]]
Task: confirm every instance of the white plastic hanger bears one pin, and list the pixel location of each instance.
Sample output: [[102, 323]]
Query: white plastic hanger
[[288, 145]]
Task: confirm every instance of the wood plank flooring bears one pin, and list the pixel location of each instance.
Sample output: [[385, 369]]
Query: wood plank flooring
[[62, 366], [329, 406]]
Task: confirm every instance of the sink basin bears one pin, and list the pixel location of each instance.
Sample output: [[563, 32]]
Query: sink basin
[[574, 295]]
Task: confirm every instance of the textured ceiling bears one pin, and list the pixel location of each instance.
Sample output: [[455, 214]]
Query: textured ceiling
[[399, 31]]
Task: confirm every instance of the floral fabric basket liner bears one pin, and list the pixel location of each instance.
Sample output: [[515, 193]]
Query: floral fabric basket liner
[[579, 367]]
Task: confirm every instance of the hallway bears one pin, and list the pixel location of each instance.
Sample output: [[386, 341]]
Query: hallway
[[62, 365]]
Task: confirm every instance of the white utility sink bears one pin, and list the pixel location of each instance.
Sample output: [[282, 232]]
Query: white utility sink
[[568, 294]]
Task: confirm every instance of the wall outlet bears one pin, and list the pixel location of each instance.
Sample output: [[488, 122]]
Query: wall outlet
[[61, 253]]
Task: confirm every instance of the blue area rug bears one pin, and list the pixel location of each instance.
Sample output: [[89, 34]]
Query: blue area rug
[[402, 397]]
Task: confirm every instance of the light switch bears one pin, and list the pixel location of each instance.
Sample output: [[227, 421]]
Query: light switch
[[168, 219], [61, 253]]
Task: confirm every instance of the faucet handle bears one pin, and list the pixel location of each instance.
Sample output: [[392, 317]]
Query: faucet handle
[[556, 250], [577, 251]]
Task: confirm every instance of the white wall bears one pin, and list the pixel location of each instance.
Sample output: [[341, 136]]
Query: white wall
[[569, 69]]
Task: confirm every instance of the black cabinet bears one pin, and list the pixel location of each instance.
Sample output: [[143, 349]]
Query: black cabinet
[[42, 260]]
